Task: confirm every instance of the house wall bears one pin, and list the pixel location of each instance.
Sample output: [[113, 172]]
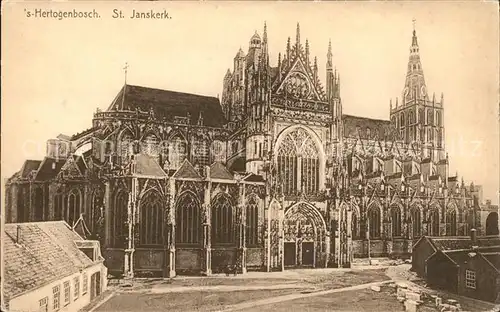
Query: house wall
[[442, 272], [487, 280], [420, 253], [30, 301]]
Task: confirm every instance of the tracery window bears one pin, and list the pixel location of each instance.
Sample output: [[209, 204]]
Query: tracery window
[[416, 223], [222, 221], [119, 219], [451, 223], [252, 222], [298, 163], [150, 145], [438, 118], [411, 119], [72, 212], [218, 151], [177, 151], [97, 208], [38, 201], [430, 117], [402, 120], [434, 223], [374, 222], [126, 144], [396, 221], [421, 113], [58, 206], [355, 226], [188, 220], [439, 138], [152, 220], [200, 154]]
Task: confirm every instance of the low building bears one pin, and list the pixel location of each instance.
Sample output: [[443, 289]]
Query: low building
[[468, 267], [426, 246], [50, 267]]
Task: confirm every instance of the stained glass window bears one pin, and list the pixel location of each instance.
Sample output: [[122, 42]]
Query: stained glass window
[[152, 220], [188, 220], [222, 221]]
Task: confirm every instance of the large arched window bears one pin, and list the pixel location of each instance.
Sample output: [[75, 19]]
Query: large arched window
[[96, 210], [492, 223], [396, 221], [125, 142], [72, 211], [416, 222], [355, 226], [252, 222], [152, 220], [150, 145], [451, 222], [58, 206], [434, 223], [200, 154], [177, 151], [188, 219], [402, 120], [119, 219], [38, 202], [222, 220], [218, 151], [298, 163], [374, 222], [430, 117]]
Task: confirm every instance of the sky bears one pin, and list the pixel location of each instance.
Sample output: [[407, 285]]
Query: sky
[[56, 73]]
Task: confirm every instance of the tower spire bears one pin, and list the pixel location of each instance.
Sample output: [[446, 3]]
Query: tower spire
[[298, 35], [415, 87], [125, 70], [329, 63]]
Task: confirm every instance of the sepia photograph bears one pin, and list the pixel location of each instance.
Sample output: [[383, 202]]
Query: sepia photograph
[[250, 156]]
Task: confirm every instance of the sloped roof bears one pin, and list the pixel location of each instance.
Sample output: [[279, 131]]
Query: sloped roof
[[493, 258], [46, 252], [146, 165], [219, 171], [461, 242], [254, 178], [187, 171], [49, 168], [29, 166], [167, 104], [379, 129], [80, 162]]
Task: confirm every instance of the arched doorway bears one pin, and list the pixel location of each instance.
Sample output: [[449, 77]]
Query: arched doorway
[[304, 236], [492, 224]]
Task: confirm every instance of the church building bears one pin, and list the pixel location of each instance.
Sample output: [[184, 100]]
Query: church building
[[272, 176]]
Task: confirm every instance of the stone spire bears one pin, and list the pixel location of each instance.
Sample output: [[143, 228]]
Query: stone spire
[[415, 87]]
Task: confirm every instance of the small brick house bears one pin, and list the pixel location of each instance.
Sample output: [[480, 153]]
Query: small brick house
[[467, 267], [426, 246], [50, 267]]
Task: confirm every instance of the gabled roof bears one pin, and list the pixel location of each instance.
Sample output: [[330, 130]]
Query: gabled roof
[[146, 165], [219, 171], [45, 252], [254, 178], [49, 168], [460, 242], [29, 166], [379, 129], [167, 104], [493, 258], [187, 171]]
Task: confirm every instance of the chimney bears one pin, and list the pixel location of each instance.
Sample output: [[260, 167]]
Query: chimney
[[18, 235], [473, 238]]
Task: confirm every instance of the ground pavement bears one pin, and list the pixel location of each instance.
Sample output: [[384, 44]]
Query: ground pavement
[[288, 291]]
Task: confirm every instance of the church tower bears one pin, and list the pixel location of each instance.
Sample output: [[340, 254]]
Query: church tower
[[257, 101], [333, 97], [418, 118]]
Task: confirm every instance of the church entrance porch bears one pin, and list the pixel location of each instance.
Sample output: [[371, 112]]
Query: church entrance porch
[[304, 237]]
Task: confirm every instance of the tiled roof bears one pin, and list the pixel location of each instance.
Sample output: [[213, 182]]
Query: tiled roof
[[379, 129], [170, 103], [461, 242], [254, 178], [187, 171], [219, 171], [146, 165], [49, 169], [238, 165], [45, 252], [29, 166], [493, 258]]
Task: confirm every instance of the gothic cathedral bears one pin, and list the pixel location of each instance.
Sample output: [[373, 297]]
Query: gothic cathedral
[[272, 176]]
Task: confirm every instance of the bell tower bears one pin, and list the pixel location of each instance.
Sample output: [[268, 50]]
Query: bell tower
[[419, 119]]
